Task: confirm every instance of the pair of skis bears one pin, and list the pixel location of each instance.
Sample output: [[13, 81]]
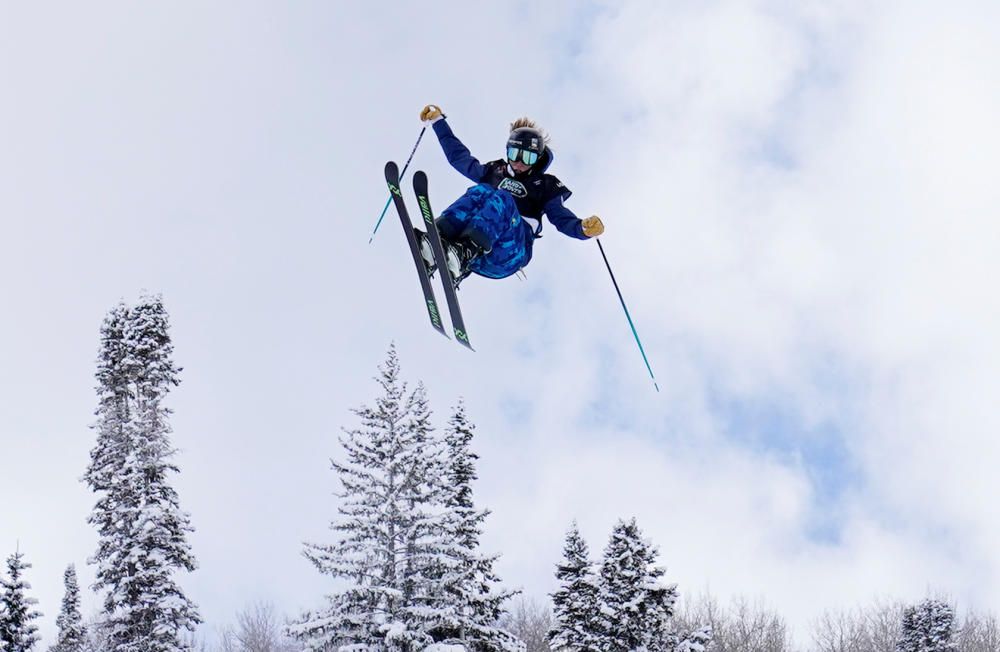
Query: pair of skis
[[433, 310]]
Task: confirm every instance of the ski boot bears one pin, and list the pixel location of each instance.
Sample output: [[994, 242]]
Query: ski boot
[[459, 255], [426, 252]]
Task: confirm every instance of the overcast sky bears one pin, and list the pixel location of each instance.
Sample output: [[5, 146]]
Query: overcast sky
[[801, 209]]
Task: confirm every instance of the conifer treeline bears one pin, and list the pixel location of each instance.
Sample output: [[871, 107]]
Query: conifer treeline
[[405, 553]]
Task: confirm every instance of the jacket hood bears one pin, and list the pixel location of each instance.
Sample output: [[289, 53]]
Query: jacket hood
[[543, 163]]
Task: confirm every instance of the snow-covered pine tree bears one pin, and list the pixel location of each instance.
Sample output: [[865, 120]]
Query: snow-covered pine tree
[[72, 633], [574, 612], [928, 627], [388, 528], [473, 602], [142, 530], [635, 607], [159, 547], [18, 632]]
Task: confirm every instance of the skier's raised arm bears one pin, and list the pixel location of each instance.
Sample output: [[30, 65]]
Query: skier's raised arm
[[568, 223], [457, 153]]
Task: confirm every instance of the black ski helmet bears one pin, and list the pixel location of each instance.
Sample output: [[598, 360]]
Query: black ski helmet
[[525, 139]]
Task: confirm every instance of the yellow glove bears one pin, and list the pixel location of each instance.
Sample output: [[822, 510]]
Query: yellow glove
[[593, 226], [431, 113]]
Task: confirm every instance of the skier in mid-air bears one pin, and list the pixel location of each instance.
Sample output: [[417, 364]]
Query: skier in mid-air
[[486, 231]]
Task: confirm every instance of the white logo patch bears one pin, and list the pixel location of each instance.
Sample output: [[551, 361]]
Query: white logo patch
[[514, 187]]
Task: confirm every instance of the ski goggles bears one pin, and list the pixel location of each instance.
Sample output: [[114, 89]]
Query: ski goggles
[[523, 155]]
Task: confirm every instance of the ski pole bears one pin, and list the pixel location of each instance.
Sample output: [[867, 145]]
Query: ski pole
[[627, 315], [389, 201]]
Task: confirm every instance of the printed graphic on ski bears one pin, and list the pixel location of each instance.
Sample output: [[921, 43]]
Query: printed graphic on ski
[[457, 323], [433, 311]]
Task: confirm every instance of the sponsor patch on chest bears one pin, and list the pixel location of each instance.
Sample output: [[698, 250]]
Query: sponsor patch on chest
[[514, 187]]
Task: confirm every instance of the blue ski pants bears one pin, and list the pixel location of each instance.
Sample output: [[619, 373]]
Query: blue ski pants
[[489, 217]]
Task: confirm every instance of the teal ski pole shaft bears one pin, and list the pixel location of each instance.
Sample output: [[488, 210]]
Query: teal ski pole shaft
[[628, 316], [389, 200]]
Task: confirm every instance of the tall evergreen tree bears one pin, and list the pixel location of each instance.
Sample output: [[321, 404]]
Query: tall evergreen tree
[[72, 633], [574, 611], [142, 530], [18, 633], [387, 531], [635, 606], [928, 627], [473, 602]]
